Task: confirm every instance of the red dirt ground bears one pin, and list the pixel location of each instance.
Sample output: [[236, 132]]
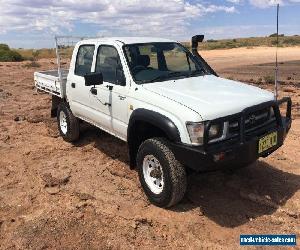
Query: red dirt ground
[[56, 195]]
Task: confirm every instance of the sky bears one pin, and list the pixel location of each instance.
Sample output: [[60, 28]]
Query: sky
[[34, 23]]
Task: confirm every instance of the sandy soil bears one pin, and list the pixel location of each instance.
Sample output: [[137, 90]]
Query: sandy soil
[[83, 196], [250, 56]]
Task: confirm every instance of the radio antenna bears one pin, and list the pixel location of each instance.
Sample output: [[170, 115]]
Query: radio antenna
[[276, 67]]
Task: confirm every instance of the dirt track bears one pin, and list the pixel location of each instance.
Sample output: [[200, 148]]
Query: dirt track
[[57, 195]]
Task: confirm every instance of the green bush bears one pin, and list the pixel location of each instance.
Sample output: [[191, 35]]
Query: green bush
[[292, 41], [32, 64], [8, 55], [212, 41], [274, 42], [269, 79], [4, 46], [275, 35]]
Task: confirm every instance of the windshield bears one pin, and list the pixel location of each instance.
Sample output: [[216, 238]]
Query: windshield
[[153, 62]]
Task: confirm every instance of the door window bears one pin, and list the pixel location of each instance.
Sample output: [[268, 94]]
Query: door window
[[84, 60], [109, 64]]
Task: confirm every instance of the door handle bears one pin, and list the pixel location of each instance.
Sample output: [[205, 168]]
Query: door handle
[[94, 91], [73, 85], [122, 97], [110, 88]]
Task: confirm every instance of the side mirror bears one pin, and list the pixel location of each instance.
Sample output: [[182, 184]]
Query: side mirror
[[93, 79]]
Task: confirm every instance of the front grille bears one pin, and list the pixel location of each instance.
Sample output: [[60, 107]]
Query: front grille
[[255, 122], [252, 123], [256, 119]]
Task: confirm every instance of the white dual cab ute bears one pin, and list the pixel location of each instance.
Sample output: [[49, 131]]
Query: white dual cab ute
[[169, 105]]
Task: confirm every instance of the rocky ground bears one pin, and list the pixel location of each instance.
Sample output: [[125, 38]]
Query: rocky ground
[[84, 196]]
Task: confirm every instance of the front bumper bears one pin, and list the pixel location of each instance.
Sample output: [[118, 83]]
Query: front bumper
[[239, 151]]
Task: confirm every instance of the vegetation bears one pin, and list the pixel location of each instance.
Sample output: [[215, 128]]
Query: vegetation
[[271, 41], [29, 54], [32, 64], [8, 55], [33, 60], [269, 79]]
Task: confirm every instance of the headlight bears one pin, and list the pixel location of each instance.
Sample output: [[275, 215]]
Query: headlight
[[196, 132], [215, 131]]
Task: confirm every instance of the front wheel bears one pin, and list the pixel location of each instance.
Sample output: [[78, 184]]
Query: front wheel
[[162, 177], [68, 125]]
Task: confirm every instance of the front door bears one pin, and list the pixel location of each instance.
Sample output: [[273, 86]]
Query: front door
[[113, 93]]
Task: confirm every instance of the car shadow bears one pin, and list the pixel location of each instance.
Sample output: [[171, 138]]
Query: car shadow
[[230, 200], [106, 143]]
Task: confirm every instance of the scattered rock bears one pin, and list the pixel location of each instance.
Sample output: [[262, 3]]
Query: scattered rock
[[201, 213], [53, 133], [1, 90], [19, 118], [262, 200], [52, 190], [143, 221], [81, 205], [5, 95], [277, 220], [5, 138], [51, 181], [88, 148], [134, 224], [268, 197], [79, 216], [289, 90], [84, 196], [281, 158], [117, 172], [292, 214], [27, 152], [35, 119]]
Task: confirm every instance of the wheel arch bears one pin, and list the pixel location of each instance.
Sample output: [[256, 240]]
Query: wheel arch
[[55, 101], [145, 124]]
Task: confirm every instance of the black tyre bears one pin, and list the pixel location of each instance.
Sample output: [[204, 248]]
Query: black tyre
[[162, 177], [68, 125]]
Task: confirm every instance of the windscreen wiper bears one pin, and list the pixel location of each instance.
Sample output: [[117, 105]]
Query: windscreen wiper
[[166, 76], [197, 72]]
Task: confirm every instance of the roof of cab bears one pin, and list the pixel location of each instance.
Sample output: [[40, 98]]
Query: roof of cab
[[127, 40]]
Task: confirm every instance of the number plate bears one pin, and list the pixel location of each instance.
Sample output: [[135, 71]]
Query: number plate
[[267, 142]]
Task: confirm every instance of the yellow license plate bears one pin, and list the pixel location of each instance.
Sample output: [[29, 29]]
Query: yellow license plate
[[267, 142]]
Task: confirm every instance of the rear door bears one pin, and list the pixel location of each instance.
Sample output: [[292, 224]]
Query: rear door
[[78, 93]]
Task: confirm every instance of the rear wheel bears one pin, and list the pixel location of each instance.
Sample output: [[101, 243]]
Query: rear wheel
[[68, 125], [162, 177]]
